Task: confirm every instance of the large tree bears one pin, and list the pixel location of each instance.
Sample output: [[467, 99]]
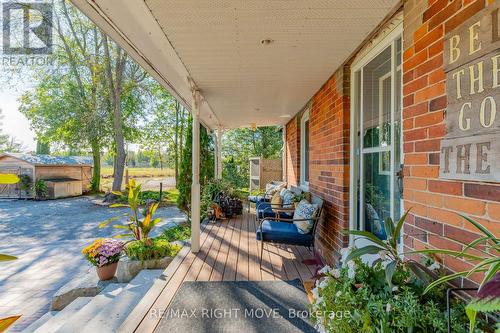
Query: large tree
[[92, 97]]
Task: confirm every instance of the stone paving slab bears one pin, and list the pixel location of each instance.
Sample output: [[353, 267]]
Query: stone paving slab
[[47, 237]]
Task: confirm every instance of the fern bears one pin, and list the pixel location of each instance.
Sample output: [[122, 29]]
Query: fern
[[481, 305]]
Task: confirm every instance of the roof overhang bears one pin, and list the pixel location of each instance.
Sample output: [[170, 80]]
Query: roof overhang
[[215, 46]]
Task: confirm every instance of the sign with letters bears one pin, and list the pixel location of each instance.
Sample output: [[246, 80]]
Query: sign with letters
[[471, 147]]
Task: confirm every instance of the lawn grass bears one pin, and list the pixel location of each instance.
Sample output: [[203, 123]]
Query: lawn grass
[[107, 172], [170, 196], [179, 232]]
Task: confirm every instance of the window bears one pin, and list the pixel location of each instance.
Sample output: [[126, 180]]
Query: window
[[304, 151]]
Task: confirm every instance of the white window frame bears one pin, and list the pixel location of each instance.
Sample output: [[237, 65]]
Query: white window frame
[[383, 148], [356, 147], [304, 184]]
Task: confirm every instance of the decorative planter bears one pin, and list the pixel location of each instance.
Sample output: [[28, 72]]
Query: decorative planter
[[107, 272], [129, 268]]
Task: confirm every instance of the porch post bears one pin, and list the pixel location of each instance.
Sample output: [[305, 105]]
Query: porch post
[[218, 158], [283, 155], [195, 187]]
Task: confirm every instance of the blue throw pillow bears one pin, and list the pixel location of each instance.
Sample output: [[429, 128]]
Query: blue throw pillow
[[305, 211]]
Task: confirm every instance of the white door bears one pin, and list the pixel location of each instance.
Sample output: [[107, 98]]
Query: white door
[[376, 175]]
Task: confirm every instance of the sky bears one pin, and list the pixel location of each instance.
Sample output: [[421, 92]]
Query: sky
[[13, 122]]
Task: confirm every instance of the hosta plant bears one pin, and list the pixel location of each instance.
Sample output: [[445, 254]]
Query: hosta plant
[[141, 221]]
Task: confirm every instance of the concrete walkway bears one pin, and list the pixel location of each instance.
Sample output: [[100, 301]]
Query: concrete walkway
[[47, 237]]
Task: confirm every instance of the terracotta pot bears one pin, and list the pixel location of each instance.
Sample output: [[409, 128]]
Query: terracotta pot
[[107, 272]]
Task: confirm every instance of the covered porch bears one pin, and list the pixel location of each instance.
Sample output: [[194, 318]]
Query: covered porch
[[228, 251], [240, 64]]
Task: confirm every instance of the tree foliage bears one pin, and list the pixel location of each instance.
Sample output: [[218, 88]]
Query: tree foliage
[[95, 98], [239, 145]]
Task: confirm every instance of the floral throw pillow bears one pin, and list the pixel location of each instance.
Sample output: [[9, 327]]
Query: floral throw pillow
[[306, 211]]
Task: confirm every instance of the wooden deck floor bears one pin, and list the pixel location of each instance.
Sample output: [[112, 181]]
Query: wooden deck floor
[[229, 252]]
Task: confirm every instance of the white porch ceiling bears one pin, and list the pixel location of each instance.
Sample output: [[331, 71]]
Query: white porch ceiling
[[218, 44]]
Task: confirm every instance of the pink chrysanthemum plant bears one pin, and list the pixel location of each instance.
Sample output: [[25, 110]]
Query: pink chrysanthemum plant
[[104, 251]]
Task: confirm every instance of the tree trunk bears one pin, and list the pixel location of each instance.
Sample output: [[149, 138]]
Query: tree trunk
[[95, 184], [160, 158], [121, 155], [115, 90]]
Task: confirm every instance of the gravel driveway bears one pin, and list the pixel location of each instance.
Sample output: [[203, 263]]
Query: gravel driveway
[[47, 237]]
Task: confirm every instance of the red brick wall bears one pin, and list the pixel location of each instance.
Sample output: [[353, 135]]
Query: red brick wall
[[329, 160], [292, 172], [434, 201]]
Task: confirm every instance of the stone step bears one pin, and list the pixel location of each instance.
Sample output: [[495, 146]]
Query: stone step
[[114, 313], [90, 310], [62, 316], [40, 321]]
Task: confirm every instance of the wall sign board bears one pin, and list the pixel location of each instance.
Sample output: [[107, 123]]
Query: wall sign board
[[471, 147]]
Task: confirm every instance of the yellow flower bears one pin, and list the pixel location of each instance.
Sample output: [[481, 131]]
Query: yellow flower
[[91, 249]]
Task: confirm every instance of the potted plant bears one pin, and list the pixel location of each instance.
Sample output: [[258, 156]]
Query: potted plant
[[142, 251], [104, 254], [298, 198]]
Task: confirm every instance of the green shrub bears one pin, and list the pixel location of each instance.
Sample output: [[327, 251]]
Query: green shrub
[[150, 249], [179, 232], [40, 188], [25, 183]]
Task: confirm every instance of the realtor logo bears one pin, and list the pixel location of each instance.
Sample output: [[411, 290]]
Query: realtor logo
[[27, 28]]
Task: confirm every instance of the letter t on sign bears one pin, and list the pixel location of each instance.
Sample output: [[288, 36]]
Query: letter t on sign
[[447, 151]]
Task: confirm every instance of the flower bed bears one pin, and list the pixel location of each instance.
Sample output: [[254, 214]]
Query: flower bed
[[357, 298]]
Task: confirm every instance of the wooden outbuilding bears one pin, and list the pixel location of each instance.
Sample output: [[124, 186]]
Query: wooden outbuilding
[[65, 176], [264, 171]]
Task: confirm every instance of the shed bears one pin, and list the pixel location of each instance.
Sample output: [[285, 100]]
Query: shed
[[263, 171], [60, 172]]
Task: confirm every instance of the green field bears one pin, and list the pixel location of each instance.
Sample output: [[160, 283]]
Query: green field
[[149, 178], [107, 172]]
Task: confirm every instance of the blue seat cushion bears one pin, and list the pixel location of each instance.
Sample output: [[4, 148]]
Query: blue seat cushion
[[264, 210], [284, 233]]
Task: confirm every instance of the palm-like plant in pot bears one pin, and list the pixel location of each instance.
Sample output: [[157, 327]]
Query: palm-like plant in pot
[[141, 221]]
